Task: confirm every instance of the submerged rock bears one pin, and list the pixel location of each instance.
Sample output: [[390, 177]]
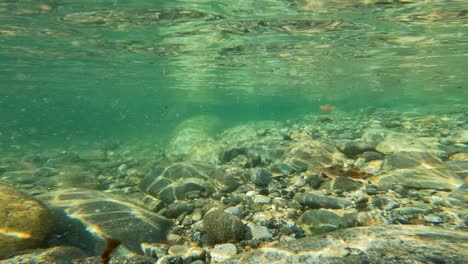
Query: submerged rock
[[322, 221], [193, 140], [180, 181], [85, 218], [313, 155], [24, 222], [61, 254], [222, 227], [386, 244], [421, 178], [261, 177], [317, 201]]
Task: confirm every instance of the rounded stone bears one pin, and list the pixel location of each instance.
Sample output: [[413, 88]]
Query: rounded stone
[[222, 227], [24, 222], [322, 221], [221, 253], [85, 218], [261, 177], [180, 181]]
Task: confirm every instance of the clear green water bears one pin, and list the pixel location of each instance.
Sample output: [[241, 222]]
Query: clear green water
[[111, 70]]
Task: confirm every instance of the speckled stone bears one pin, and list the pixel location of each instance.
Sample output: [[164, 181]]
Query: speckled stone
[[261, 177], [222, 227], [221, 253]]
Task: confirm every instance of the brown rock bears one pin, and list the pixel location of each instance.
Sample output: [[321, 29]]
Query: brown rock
[[24, 222]]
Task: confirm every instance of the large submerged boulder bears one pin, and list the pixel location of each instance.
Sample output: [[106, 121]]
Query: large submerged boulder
[[86, 218], [385, 244]]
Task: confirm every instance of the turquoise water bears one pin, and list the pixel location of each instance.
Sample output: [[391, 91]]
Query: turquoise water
[[270, 131], [99, 69]]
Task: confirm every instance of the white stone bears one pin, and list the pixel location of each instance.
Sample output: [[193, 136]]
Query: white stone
[[261, 233], [261, 199], [223, 252]]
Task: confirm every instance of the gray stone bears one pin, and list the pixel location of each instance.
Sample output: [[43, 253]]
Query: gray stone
[[433, 219], [136, 259], [261, 233], [282, 168], [180, 181], [404, 159], [371, 155], [186, 253], [45, 172], [314, 180], [24, 222], [222, 227], [262, 199], [345, 184], [316, 201], [421, 178], [178, 208], [19, 177], [85, 218], [353, 148], [221, 253], [77, 179], [380, 244], [62, 254], [322, 221], [261, 177], [460, 195], [230, 180], [312, 154], [234, 210]]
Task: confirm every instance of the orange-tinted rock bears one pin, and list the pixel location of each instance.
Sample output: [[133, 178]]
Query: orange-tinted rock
[[24, 222]]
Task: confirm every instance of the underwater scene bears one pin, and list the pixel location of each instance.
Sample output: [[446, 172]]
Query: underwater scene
[[237, 132]]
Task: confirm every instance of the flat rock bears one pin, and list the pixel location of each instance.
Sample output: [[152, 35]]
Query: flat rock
[[180, 181], [322, 221], [24, 222], [386, 244], [420, 178], [61, 254], [312, 154], [222, 227], [221, 253], [84, 218], [345, 184], [317, 201], [192, 140]]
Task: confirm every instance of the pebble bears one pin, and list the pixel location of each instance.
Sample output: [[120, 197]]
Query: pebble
[[221, 253], [261, 233], [262, 216], [314, 200], [261, 199], [433, 219], [223, 227], [261, 177], [234, 210]]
